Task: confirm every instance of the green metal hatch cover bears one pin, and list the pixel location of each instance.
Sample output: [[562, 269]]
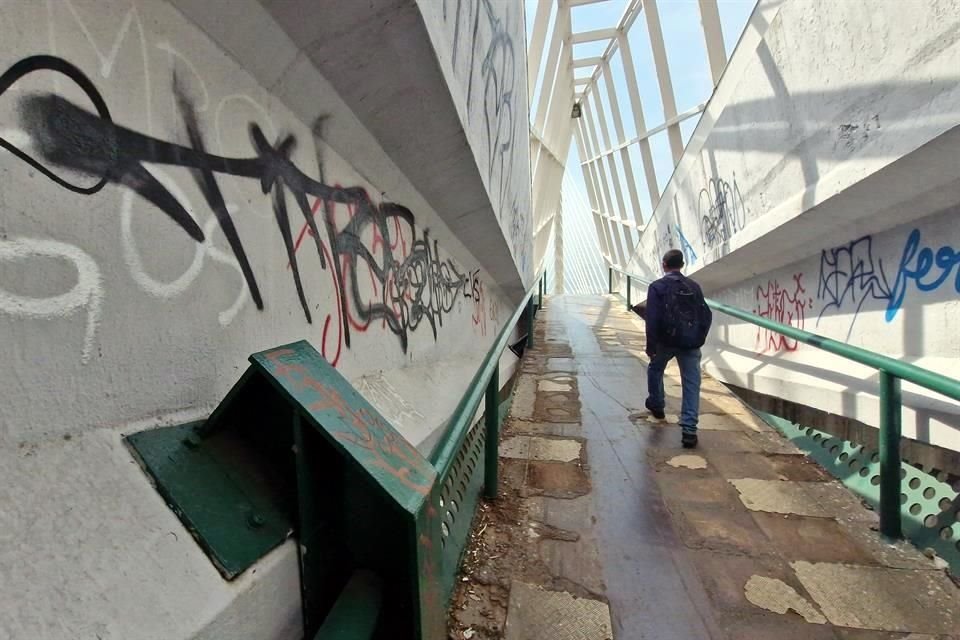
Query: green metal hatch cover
[[294, 449], [218, 490]]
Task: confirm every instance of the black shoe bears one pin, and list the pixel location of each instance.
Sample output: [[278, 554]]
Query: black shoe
[[656, 413], [688, 440]]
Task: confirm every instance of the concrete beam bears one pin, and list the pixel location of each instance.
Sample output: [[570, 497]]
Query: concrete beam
[[373, 53]]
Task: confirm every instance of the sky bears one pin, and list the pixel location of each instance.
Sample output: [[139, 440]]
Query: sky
[[687, 59]]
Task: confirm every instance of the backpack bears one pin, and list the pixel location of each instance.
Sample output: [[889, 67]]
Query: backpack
[[686, 317]]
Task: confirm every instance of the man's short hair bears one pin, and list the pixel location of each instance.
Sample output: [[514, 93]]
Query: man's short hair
[[673, 259]]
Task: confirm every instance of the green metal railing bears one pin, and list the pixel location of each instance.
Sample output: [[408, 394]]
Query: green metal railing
[[453, 496], [485, 385], [891, 371]]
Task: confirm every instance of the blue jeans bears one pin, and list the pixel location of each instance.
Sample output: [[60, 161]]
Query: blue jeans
[[689, 362]]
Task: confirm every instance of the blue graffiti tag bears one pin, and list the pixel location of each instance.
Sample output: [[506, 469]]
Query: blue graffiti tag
[[916, 264], [687, 248]]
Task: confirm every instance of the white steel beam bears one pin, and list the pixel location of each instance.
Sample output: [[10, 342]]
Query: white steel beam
[[537, 40], [713, 35], [630, 13], [587, 62], [624, 151], [621, 210], [539, 138], [652, 132], [602, 239], [577, 3], [663, 76], [561, 27], [588, 181], [636, 107], [593, 142], [601, 174], [593, 36]]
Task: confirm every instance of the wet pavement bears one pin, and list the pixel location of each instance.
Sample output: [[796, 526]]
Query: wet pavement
[[606, 528]]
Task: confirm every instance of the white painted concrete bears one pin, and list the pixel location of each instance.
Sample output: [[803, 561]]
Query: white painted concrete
[[112, 319], [88, 549], [832, 123], [480, 46]]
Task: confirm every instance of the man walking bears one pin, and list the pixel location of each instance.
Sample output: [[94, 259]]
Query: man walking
[[678, 320]]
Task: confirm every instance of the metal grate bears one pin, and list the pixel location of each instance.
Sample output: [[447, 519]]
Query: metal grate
[[929, 507], [459, 497]]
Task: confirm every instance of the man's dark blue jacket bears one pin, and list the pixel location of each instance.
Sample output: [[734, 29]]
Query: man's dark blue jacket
[[655, 308]]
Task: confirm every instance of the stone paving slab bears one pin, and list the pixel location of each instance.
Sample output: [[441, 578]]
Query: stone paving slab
[[513, 426], [777, 596], [773, 442], [814, 539], [767, 467], [777, 496], [838, 502], [524, 397], [907, 601], [705, 527], [545, 449], [538, 614]]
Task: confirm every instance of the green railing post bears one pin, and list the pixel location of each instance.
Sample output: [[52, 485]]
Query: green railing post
[[491, 419], [628, 293], [610, 279], [530, 323], [890, 414]]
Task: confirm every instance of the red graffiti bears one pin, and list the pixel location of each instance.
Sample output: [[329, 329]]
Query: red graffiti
[[479, 312], [783, 306], [326, 347], [409, 283], [494, 310]]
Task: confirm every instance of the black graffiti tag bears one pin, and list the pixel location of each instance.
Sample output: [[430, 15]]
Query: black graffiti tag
[[416, 287]]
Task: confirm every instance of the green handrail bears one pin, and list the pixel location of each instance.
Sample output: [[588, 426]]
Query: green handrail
[[892, 371], [485, 384]]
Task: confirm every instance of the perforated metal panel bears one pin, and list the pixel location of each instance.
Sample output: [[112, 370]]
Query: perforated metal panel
[[929, 507], [459, 496]]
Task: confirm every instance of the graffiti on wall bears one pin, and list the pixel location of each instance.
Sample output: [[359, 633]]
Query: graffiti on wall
[[411, 284], [689, 255], [478, 299], [663, 243], [721, 212], [786, 305], [494, 84], [923, 268], [851, 275]]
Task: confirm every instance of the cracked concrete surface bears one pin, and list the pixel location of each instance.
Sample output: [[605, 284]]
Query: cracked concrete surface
[[604, 527]]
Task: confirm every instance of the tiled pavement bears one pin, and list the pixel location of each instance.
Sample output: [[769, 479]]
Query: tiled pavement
[[606, 527]]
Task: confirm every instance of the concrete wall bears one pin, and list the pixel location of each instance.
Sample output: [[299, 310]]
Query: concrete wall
[[139, 266], [821, 189], [480, 45]]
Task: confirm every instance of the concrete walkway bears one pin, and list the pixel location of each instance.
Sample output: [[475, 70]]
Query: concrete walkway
[[606, 528]]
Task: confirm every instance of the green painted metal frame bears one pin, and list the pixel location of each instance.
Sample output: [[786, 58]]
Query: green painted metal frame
[[891, 372], [355, 614], [354, 475], [466, 457]]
